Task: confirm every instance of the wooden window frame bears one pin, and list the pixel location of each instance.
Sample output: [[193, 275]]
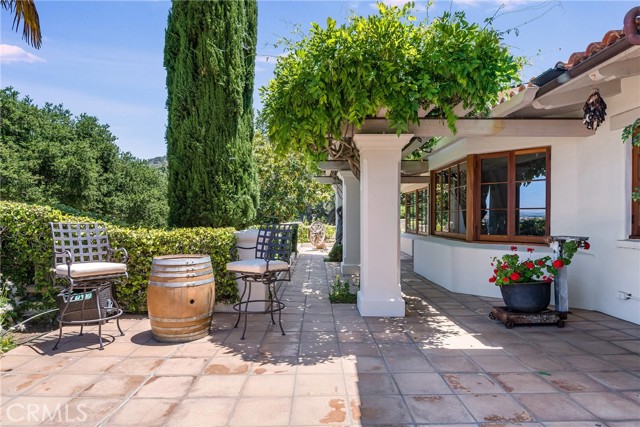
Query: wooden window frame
[[432, 202], [635, 183], [511, 188], [416, 206]]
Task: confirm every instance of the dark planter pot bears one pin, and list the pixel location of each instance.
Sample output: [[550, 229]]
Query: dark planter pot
[[529, 297]]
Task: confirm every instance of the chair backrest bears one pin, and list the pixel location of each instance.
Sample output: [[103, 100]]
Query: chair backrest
[[86, 241], [275, 242]]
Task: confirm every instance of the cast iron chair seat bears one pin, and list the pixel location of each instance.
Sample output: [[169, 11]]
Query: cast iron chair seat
[[85, 262], [270, 265]]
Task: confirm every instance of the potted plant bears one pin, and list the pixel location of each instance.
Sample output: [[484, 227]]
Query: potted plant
[[525, 284]]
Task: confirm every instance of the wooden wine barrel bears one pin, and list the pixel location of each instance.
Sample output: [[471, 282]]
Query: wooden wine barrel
[[180, 297]]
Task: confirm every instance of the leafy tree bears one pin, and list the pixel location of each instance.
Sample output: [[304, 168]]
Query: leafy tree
[[210, 59], [287, 190], [341, 75], [48, 156]]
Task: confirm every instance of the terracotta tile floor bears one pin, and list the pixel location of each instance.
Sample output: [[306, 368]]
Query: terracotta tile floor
[[445, 364]]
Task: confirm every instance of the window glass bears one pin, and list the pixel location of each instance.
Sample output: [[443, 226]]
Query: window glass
[[451, 199], [423, 211], [494, 169]]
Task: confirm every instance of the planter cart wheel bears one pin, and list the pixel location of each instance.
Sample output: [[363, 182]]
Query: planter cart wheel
[[491, 316], [560, 323], [317, 234]]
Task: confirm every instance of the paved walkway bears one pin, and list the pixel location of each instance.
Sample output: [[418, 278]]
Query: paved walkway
[[445, 364]]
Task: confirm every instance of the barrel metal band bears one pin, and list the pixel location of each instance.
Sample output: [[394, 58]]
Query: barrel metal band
[[181, 284], [182, 319]]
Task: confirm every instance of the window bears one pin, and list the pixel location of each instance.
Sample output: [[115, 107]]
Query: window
[[417, 211], [514, 190], [450, 200], [410, 212], [635, 185]]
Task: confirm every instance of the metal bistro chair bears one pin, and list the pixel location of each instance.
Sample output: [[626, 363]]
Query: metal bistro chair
[[83, 259], [270, 265]]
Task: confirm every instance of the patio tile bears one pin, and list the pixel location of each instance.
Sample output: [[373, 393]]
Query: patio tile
[[14, 384], [553, 407], [280, 349], [95, 365], [251, 412], [379, 409], [573, 382], [632, 346], [32, 410], [587, 363], [603, 347], [198, 349], [113, 349], [143, 412], [154, 350], [114, 386], [542, 363], [438, 409], [274, 366], [399, 350], [217, 386], [454, 364], [495, 408], [617, 380], [409, 364], [147, 365], [63, 385], [268, 386], [472, 383], [311, 349], [625, 361], [421, 383], [560, 348], [182, 366], [44, 365], [523, 383], [608, 406], [83, 411], [319, 385], [577, 424], [325, 410], [368, 383], [499, 364], [319, 365], [8, 362], [353, 364], [227, 366], [359, 349], [199, 412], [165, 387]]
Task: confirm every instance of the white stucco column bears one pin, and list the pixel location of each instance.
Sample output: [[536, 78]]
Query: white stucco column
[[337, 200], [350, 223], [380, 157]]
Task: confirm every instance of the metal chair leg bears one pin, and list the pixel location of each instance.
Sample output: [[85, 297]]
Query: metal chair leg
[[244, 291], [55, 347], [275, 295], [246, 311]]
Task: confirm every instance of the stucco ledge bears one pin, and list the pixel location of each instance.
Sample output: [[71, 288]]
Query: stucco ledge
[[629, 244]]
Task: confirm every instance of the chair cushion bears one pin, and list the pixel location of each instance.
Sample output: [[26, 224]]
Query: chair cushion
[[256, 266], [88, 269]]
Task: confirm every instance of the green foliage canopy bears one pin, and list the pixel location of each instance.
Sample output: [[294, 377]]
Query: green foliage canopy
[[48, 156], [287, 190], [209, 56], [340, 75]]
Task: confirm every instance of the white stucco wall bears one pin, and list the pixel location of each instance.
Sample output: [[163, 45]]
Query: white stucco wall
[[590, 196]]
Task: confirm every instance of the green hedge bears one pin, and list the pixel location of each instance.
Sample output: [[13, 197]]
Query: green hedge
[[26, 252]]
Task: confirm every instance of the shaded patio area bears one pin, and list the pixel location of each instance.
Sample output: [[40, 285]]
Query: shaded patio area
[[445, 364]]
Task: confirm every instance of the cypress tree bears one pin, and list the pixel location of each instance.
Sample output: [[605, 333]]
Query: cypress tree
[[209, 56]]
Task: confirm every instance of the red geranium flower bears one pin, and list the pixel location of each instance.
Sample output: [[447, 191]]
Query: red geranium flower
[[495, 271], [492, 279], [530, 265], [505, 280], [558, 263], [504, 266], [586, 246], [529, 249], [514, 248], [515, 276], [541, 263]]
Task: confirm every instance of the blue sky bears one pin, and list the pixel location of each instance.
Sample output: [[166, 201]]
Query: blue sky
[[104, 58]]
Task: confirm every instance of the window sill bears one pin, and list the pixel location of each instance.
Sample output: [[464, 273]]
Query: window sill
[[629, 244]]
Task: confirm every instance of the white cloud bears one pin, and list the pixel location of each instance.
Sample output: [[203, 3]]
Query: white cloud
[[10, 53]]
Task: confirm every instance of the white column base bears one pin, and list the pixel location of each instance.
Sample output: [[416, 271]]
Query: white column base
[[393, 307], [350, 268]]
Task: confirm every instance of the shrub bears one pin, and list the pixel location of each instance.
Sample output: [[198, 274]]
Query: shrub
[[341, 292], [26, 251], [335, 254]]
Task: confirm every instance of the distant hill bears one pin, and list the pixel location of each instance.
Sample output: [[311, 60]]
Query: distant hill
[[157, 162]]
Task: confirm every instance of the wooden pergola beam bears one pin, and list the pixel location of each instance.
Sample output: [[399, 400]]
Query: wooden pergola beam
[[429, 128], [325, 179], [334, 165], [414, 180]]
